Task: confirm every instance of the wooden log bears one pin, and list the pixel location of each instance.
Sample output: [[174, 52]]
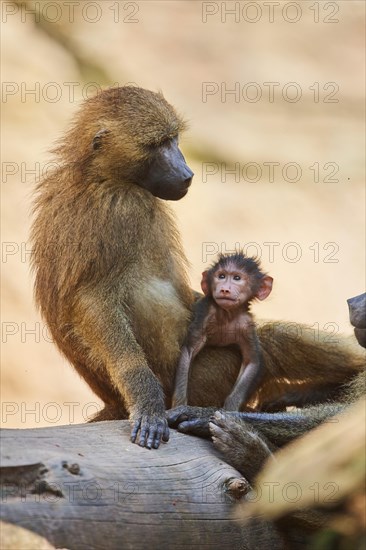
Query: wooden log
[[88, 487]]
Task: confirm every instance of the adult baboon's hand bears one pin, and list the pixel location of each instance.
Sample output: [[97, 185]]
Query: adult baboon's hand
[[153, 429]]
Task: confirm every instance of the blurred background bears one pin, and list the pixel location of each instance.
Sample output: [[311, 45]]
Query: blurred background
[[273, 92]]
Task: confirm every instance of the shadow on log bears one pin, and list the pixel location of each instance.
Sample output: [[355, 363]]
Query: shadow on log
[[88, 487]]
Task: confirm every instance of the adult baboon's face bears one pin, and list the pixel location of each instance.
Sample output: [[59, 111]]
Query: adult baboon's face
[[167, 174]]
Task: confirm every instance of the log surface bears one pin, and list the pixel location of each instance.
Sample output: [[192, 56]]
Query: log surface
[[88, 487]]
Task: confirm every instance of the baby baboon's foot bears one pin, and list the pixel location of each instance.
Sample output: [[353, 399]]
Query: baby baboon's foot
[[241, 446]]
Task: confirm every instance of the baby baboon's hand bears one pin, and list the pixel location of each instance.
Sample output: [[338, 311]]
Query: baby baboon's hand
[[193, 420], [153, 429]]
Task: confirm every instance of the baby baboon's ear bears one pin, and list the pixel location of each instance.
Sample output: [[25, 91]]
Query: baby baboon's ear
[[265, 289], [205, 284]]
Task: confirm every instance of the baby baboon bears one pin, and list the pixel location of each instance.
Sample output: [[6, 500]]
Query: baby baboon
[[222, 318], [247, 439], [110, 272]]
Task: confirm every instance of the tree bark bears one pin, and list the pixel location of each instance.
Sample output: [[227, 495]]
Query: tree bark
[[88, 487]]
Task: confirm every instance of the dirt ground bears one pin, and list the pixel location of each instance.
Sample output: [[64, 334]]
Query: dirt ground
[[274, 99]]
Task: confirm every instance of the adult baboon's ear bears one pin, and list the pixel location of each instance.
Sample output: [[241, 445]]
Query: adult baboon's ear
[[97, 139]]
